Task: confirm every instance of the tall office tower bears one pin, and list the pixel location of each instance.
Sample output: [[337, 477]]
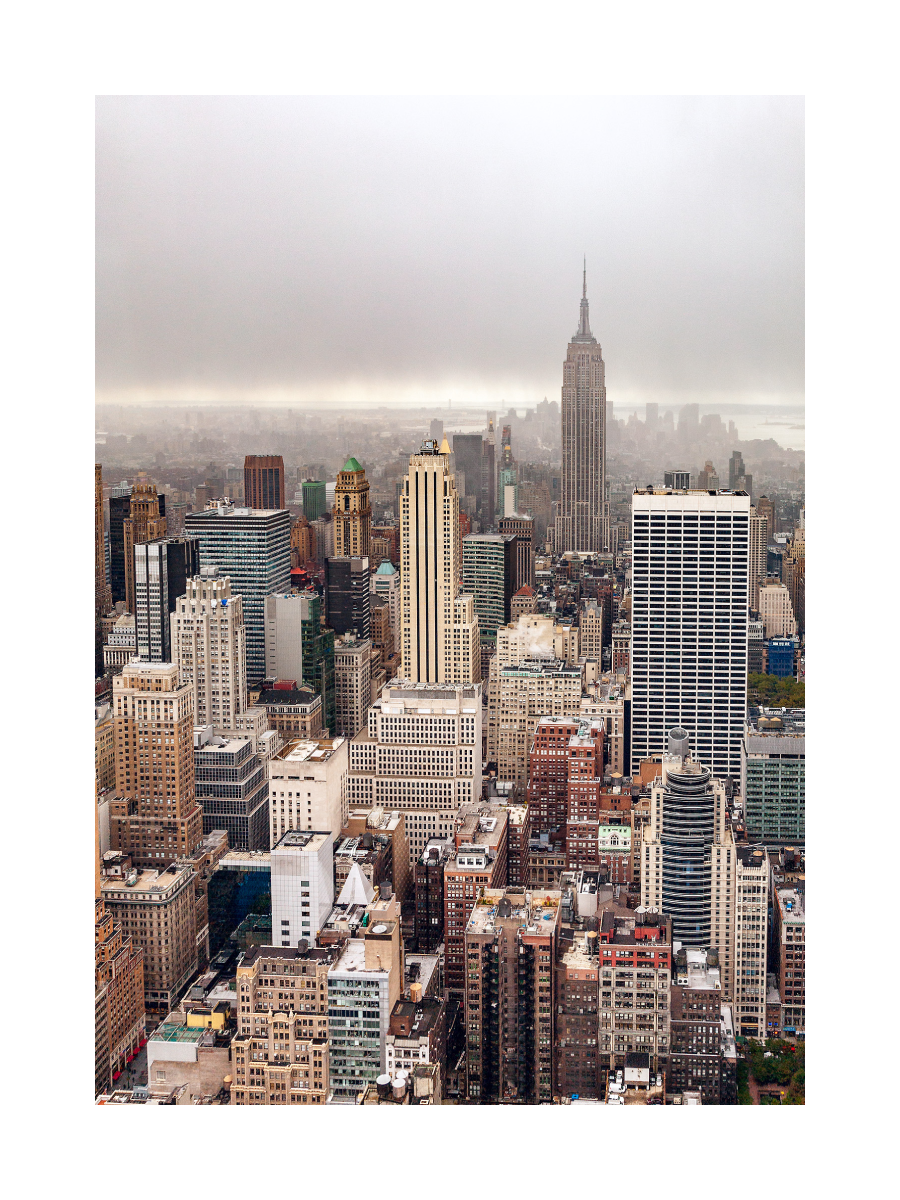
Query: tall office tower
[[253, 548], [156, 817], [323, 528], [651, 415], [208, 647], [677, 479], [581, 512], [689, 619], [511, 944], [383, 632], [102, 592], [232, 787], [364, 984], [765, 508], [386, 583], [158, 909], [756, 637], [439, 638], [775, 610], [162, 569], [736, 470], [352, 683], [317, 655], [751, 935], [523, 530], [352, 513], [688, 860], [314, 499], [488, 506], [467, 456], [307, 788], [264, 481], [145, 522], [489, 574], [789, 943], [119, 976], [284, 616], [759, 541], [347, 589], [621, 649], [119, 511], [280, 1050], [302, 885], [773, 783], [420, 754], [436, 429]]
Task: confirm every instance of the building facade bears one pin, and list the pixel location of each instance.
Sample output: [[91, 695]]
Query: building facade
[[439, 634], [352, 513], [209, 648], [252, 547], [264, 481], [689, 617], [581, 510], [307, 788]]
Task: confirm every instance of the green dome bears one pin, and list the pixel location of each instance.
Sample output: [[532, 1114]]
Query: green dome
[[352, 465]]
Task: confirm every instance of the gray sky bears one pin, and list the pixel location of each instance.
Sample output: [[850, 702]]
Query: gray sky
[[409, 250]]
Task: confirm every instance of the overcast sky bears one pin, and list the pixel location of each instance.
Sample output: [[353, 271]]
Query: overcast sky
[[314, 250]]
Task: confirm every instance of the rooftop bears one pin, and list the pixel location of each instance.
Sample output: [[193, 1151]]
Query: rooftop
[[303, 839], [535, 911], [318, 751], [298, 695], [792, 904]]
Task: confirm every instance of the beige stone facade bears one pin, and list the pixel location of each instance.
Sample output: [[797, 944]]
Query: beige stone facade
[[208, 646], [439, 634]]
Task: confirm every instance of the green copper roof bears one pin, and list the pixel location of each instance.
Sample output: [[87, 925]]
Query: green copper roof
[[352, 465], [386, 569]]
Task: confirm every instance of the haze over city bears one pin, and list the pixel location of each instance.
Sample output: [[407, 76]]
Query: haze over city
[[408, 252]]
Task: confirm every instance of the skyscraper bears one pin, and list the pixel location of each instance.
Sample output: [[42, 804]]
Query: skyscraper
[[209, 649], [759, 541], [161, 571], [439, 637], [467, 455], [489, 573], [580, 513], [352, 512], [102, 594], [347, 592], [689, 623], [253, 548], [145, 521], [156, 817], [314, 500], [119, 509], [264, 481]]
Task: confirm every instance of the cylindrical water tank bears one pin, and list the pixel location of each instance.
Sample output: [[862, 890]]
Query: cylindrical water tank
[[400, 1085], [383, 1083], [679, 742], [415, 992]]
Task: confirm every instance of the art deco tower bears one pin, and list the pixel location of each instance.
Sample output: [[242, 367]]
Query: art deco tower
[[581, 513], [144, 524], [438, 627], [352, 513]]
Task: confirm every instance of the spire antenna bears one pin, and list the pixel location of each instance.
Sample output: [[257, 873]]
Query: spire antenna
[[584, 285]]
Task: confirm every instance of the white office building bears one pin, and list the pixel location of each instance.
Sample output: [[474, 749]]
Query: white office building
[[302, 864], [307, 781], [689, 622]]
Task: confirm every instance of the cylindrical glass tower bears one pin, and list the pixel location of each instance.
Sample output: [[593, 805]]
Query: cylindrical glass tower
[[688, 830]]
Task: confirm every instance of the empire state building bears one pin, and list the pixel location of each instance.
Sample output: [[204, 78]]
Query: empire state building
[[580, 514]]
